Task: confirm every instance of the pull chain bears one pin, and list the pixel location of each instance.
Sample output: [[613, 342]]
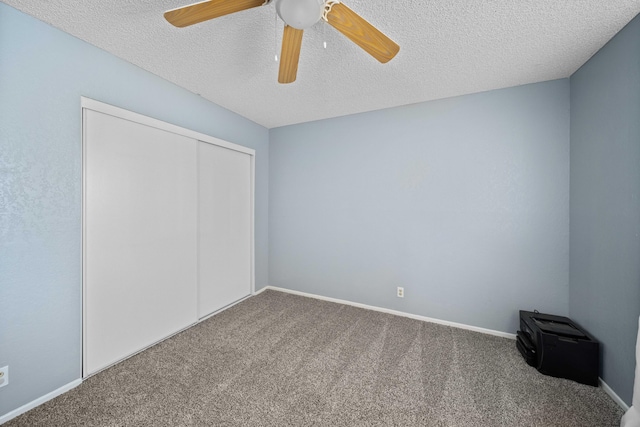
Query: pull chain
[[275, 36], [324, 34]]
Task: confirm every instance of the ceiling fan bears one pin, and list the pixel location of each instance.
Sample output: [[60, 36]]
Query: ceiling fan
[[297, 16]]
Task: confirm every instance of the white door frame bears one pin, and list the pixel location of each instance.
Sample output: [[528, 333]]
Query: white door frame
[[101, 107]]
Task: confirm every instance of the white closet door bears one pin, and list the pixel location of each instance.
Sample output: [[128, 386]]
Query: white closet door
[[140, 237], [224, 216]]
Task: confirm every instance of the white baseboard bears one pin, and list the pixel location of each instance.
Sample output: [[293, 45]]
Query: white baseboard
[[612, 394], [395, 312], [261, 290], [39, 401]]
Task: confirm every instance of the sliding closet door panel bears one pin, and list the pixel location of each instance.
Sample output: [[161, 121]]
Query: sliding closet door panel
[[140, 237], [224, 216]]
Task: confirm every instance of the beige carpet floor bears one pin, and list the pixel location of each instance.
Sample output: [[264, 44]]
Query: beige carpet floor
[[283, 360]]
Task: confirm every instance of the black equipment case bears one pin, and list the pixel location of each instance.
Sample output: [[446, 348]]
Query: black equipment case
[[559, 347]]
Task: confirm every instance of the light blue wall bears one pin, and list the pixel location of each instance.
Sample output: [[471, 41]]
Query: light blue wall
[[43, 73], [464, 202], [605, 203]]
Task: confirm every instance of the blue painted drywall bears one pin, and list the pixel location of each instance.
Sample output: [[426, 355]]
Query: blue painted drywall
[[464, 202], [43, 73], [604, 291]]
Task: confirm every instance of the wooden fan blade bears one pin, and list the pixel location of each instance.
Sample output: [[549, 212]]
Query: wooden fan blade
[[203, 11], [290, 54], [362, 33]]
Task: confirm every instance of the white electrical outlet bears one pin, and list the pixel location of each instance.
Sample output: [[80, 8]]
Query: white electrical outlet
[[4, 376], [400, 292]]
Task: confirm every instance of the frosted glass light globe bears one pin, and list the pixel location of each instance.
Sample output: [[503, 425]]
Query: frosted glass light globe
[[300, 14]]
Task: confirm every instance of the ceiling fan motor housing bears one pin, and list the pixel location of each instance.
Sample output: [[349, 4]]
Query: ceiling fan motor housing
[[300, 14]]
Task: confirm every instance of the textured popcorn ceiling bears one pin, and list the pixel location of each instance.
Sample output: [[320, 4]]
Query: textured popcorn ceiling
[[447, 48]]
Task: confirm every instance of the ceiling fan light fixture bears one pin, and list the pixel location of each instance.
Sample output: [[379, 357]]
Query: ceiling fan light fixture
[[300, 14], [297, 15]]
